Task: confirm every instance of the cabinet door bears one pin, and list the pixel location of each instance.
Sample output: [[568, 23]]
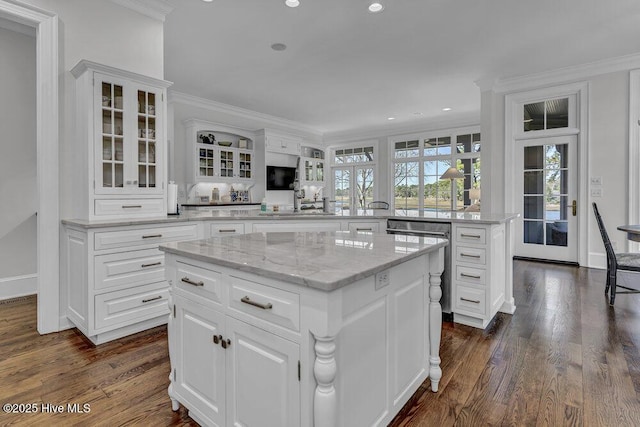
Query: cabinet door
[[112, 134], [199, 362], [227, 159], [147, 152], [245, 165], [263, 384], [319, 171]]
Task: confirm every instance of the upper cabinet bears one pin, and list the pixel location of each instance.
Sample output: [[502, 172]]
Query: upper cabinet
[[312, 161], [219, 153], [276, 142], [121, 143]]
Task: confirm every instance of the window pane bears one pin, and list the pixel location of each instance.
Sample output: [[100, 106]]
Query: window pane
[[557, 113], [533, 116], [533, 232], [463, 144], [533, 158]]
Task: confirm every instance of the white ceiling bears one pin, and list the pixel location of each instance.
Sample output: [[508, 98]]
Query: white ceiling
[[346, 69]]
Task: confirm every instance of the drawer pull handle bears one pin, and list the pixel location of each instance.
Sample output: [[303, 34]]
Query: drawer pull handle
[[469, 255], [152, 236], [475, 236], [151, 264], [228, 230], [191, 282], [470, 300], [473, 276], [247, 300], [152, 299], [364, 229], [131, 206], [217, 339]]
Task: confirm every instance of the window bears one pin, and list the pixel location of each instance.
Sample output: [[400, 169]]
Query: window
[[418, 164], [353, 173], [550, 114]]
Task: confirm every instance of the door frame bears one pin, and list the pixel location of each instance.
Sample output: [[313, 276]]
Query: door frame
[[47, 140], [353, 167], [513, 105]]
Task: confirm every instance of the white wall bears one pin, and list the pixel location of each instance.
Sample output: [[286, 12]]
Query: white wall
[[18, 191]]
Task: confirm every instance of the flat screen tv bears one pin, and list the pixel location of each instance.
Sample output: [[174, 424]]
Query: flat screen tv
[[280, 177]]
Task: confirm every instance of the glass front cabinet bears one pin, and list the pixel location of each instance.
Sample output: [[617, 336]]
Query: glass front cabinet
[[121, 134], [219, 154], [313, 166]]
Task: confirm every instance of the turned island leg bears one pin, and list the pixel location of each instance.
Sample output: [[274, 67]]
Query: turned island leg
[[436, 266], [325, 400], [175, 405]]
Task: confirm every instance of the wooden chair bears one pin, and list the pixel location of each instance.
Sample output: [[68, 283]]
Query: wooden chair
[[616, 261]]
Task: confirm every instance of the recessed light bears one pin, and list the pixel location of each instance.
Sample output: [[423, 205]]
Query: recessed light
[[292, 3], [278, 46], [207, 1], [376, 7], [391, 118], [446, 109]]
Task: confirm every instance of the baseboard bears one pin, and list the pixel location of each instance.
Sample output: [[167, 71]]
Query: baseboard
[[18, 286], [546, 261]]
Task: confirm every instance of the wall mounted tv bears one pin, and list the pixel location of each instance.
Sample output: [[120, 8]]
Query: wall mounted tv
[[280, 177]]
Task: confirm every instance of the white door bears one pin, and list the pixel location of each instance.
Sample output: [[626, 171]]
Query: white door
[[353, 187], [263, 386], [200, 362], [546, 197]]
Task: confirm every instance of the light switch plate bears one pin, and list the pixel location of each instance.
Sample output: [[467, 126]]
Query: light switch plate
[[596, 192], [596, 180]]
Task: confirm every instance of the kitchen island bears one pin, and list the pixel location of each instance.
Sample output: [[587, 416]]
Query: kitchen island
[[303, 328]]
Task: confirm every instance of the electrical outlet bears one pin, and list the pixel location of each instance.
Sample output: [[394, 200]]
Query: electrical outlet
[[596, 180], [596, 192], [382, 279]]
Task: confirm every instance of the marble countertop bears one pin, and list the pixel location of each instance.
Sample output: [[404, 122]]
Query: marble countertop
[[321, 260], [236, 214]]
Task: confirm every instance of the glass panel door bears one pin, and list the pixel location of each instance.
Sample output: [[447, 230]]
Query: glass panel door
[[364, 186], [227, 159], [548, 181], [342, 188], [353, 187], [319, 171], [147, 147], [112, 129]]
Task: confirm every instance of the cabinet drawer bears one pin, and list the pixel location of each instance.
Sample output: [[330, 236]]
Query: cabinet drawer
[[471, 235], [226, 229], [132, 268], [471, 255], [373, 227], [137, 207], [199, 281], [270, 304], [144, 236], [470, 300], [470, 275], [131, 305]]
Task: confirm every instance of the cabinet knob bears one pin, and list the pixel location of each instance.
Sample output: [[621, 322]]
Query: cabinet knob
[[217, 339], [226, 343]]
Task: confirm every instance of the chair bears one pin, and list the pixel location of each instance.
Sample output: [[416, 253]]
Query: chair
[[616, 261], [378, 205]]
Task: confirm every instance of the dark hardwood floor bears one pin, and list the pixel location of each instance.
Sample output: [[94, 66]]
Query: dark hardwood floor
[[564, 358]]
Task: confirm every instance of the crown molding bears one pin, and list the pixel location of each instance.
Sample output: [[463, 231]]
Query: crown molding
[[426, 125], [84, 65], [561, 75], [219, 107], [156, 9]]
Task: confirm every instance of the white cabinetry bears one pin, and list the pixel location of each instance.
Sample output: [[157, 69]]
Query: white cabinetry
[[210, 158], [478, 272], [119, 144], [115, 277], [229, 371], [312, 162], [276, 142]]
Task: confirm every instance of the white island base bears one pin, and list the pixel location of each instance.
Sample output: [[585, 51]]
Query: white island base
[[249, 349]]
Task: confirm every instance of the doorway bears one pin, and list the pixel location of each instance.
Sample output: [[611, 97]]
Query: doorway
[[47, 136], [353, 187], [547, 179]]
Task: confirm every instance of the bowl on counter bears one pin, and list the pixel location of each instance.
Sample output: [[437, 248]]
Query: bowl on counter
[[224, 143]]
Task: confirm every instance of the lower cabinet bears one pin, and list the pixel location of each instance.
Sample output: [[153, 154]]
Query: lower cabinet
[[228, 372]]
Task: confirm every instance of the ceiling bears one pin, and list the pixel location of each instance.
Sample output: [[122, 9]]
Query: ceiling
[[345, 69]]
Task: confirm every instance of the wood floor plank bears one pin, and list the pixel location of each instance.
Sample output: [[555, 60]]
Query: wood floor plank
[[564, 358]]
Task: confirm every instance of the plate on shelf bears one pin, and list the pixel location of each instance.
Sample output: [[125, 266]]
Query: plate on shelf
[[224, 143]]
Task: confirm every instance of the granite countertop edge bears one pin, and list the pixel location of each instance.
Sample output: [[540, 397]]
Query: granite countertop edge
[[300, 280], [248, 215]]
